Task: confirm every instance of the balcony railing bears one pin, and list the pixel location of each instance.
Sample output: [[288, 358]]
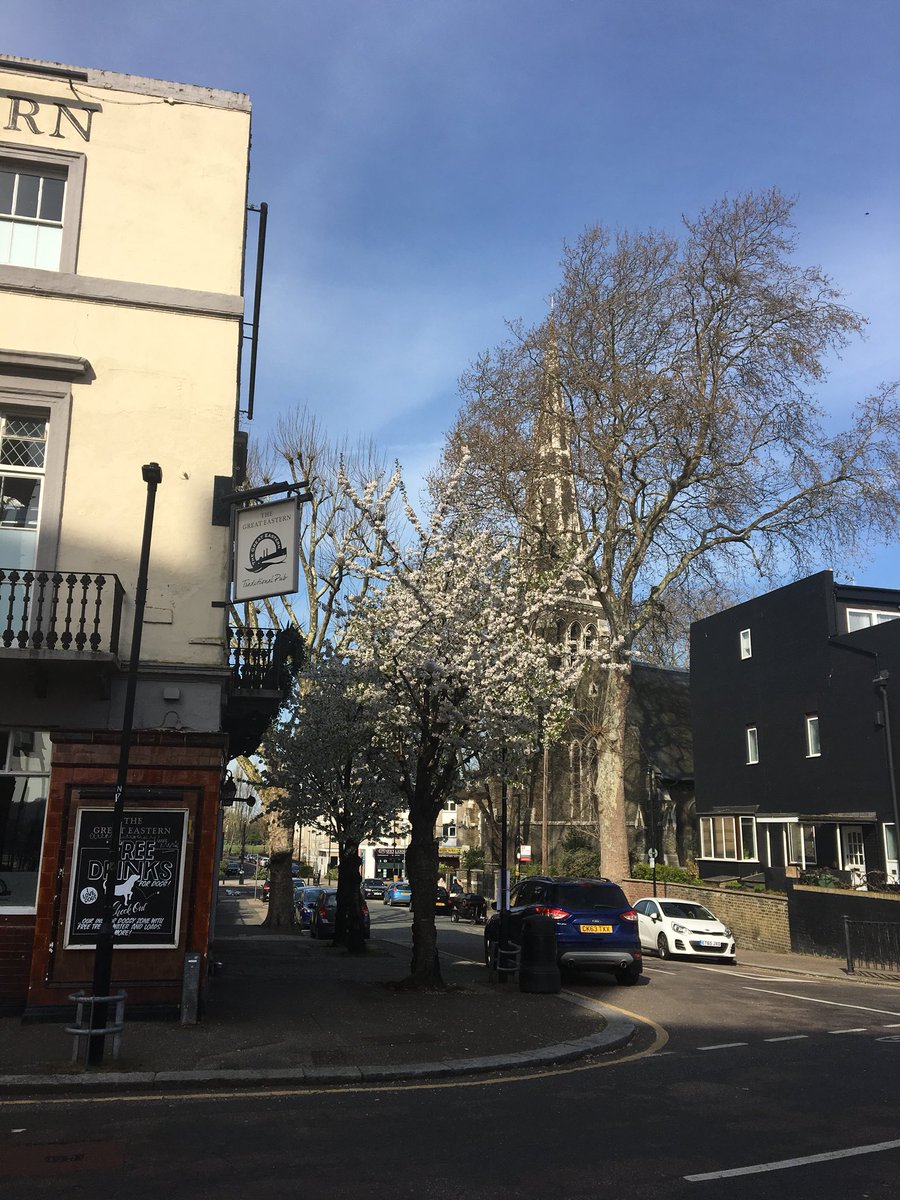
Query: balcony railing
[[61, 612], [253, 658]]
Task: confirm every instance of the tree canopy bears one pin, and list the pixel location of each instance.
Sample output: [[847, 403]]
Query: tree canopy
[[683, 373]]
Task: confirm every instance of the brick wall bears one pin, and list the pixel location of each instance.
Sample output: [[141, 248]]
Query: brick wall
[[759, 922], [16, 941]]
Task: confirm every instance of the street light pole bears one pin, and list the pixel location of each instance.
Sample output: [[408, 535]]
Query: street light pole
[[504, 876], [152, 476]]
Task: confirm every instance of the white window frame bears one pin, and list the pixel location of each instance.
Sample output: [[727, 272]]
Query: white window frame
[[813, 739], [52, 402], [746, 644], [877, 616], [714, 839], [751, 745], [73, 165], [23, 909], [892, 871], [801, 843]]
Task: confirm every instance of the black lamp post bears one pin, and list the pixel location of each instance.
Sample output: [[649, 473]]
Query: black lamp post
[[502, 949], [152, 476]]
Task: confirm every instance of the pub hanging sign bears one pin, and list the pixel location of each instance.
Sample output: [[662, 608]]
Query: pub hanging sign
[[266, 559], [148, 889]]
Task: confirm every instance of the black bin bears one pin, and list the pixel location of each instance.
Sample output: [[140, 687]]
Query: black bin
[[538, 968]]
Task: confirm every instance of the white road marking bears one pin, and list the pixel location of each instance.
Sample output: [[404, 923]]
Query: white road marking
[[791, 1037], [832, 1003], [860, 1030], [735, 974], [724, 1046], [896, 1025], [784, 1163]]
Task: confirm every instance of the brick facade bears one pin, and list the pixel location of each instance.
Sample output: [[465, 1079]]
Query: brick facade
[[189, 768]]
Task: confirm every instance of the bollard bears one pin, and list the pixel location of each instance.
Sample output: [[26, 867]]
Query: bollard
[[538, 968], [190, 989]]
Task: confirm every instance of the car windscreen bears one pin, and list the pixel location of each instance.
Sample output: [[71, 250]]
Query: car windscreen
[[687, 912], [584, 897], [309, 894]]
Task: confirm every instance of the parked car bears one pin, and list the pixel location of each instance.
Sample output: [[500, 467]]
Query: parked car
[[232, 868], [398, 893], [441, 903], [671, 926], [596, 927], [264, 894], [304, 902], [374, 889], [324, 913]]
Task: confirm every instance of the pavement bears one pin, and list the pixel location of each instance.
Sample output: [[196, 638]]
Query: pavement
[[287, 1010]]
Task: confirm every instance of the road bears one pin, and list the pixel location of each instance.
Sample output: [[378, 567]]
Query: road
[[756, 1084]]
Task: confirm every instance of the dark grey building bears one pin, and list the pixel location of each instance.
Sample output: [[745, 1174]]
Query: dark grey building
[[792, 694]]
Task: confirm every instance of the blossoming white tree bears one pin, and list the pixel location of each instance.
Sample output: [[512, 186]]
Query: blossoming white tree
[[323, 770], [460, 670]]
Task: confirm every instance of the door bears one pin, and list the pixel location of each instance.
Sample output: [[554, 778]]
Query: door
[[853, 853]]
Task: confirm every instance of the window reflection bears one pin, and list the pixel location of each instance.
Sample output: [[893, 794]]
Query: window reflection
[[24, 780]]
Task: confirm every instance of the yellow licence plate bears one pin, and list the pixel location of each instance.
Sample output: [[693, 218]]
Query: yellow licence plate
[[595, 928]]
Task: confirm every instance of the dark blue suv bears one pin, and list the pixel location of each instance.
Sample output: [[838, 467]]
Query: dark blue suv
[[596, 927]]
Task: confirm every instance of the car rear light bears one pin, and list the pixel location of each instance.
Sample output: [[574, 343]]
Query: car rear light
[[558, 914], [628, 915], [365, 909]]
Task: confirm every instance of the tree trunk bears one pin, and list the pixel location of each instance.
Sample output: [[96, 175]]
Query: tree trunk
[[281, 892], [421, 866], [348, 929], [611, 827]]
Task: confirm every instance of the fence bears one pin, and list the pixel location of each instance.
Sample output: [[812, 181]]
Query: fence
[[872, 944]]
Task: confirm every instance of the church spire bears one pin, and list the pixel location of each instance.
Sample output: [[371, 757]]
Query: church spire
[[553, 525]]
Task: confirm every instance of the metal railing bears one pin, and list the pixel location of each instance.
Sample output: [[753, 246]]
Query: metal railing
[[253, 659], [872, 944], [60, 611]]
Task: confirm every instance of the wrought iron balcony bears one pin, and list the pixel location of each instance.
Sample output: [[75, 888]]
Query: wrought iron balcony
[[253, 658], [65, 613], [263, 663]]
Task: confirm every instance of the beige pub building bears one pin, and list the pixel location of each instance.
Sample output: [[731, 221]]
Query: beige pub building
[[122, 229]]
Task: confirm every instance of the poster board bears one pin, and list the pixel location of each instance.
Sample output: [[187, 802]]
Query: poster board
[[148, 899]]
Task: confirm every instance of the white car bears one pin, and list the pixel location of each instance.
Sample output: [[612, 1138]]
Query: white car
[[671, 927]]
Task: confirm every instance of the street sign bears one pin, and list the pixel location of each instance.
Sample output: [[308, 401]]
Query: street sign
[[652, 855]]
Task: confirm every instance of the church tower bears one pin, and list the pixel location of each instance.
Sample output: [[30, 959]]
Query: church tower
[[553, 529]]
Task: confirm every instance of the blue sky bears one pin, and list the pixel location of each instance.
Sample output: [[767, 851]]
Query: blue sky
[[423, 161]]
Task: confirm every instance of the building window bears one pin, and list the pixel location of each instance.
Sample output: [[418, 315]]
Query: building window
[[23, 445], [40, 207], [752, 744], [801, 844], [860, 618], [746, 647], [450, 806], [732, 838], [24, 780], [813, 746], [448, 831], [890, 852], [31, 216]]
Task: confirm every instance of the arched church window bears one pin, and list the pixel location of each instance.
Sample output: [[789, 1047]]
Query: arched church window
[[574, 640], [590, 637]]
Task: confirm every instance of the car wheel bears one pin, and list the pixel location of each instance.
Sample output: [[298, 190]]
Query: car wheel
[[662, 946], [629, 976], [490, 954], [454, 916]]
